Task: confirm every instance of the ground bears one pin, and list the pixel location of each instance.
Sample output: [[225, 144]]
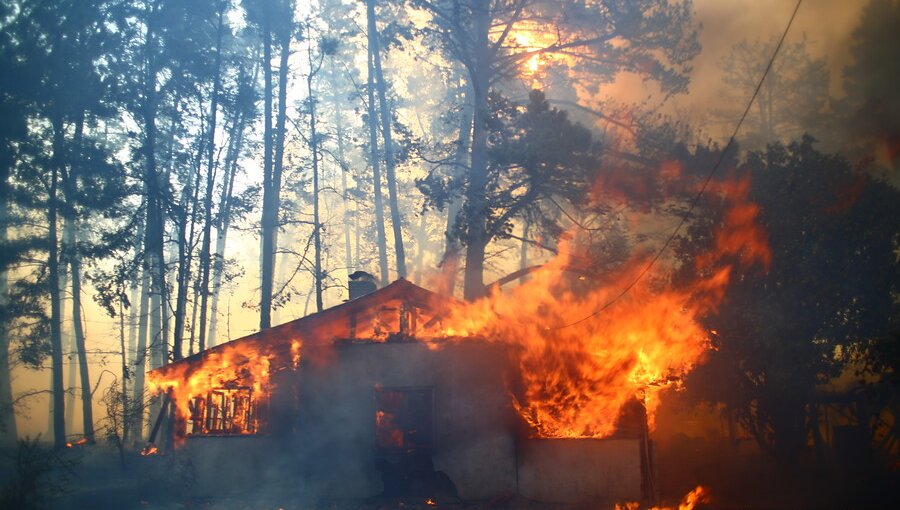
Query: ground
[[738, 479]]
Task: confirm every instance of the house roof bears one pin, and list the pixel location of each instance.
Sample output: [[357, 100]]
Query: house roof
[[322, 326]]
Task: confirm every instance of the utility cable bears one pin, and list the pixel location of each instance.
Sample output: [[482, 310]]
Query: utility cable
[[706, 182]]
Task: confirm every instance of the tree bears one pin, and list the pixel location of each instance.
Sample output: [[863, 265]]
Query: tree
[[653, 38], [316, 51], [275, 18], [240, 103], [537, 158], [794, 97], [871, 106], [831, 285], [374, 156], [378, 81], [14, 109], [60, 46]]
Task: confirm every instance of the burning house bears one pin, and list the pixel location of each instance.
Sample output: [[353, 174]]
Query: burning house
[[378, 395]]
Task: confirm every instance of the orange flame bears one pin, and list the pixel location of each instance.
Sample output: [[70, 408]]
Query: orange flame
[[700, 495], [587, 348], [238, 373], [150, 449]]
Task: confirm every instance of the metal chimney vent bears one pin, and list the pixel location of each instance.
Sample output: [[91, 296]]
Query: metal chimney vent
[[362, 283]]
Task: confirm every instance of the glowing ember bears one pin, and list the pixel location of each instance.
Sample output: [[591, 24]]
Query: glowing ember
[[430, 502], [700, 495], [150, 449], [80, 442]]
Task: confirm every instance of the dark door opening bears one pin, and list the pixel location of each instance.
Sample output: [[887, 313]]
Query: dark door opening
[[404, 420]]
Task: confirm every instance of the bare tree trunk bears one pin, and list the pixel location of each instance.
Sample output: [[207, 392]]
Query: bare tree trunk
[[126, 414], [314, 148], [224, 222], [210, 182], [476, 238], [133, 315], [68, 339], [74, 263], [450, 260], [87, 413], [56, 355], [140, 358], [375, 50], [376, 174], [223, 219], [421, 244], [185, 260], [342, 162], [193, 334], [185, 228], [8, 430], [358, 233], [269, 220], [153, 239]]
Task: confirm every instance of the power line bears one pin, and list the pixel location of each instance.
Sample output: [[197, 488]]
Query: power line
[[706, 182]]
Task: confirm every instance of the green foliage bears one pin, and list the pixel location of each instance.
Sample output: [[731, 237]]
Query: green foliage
[[537, 155], [832, 286]]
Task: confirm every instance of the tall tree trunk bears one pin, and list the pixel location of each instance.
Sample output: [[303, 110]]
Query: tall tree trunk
[[183, 275], [376, 173], [140, 357], [189, 200], [476, 238], [194, 302], [56, 355], [210, 182], [224, 222], [314, 148], [68, 338], [421, 244], [342, 162], [74, 260], [358, 233], [153, 236], [269, 220], [236, 142], [87, 413], [8, 430], [386, 137], [450, 260], [133, 313], [126, 411]]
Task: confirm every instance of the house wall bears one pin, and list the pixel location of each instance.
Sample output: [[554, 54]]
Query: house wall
[[322, 426], [473, 443], [580, 470]]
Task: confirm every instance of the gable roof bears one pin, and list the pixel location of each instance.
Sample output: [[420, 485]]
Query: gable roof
[[321, 327]]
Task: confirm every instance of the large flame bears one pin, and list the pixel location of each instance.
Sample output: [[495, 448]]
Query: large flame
[[586, 347], [585, 344], [235, 368]]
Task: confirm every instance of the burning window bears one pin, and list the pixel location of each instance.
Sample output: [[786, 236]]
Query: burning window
[[225, 411], [403, 419]]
